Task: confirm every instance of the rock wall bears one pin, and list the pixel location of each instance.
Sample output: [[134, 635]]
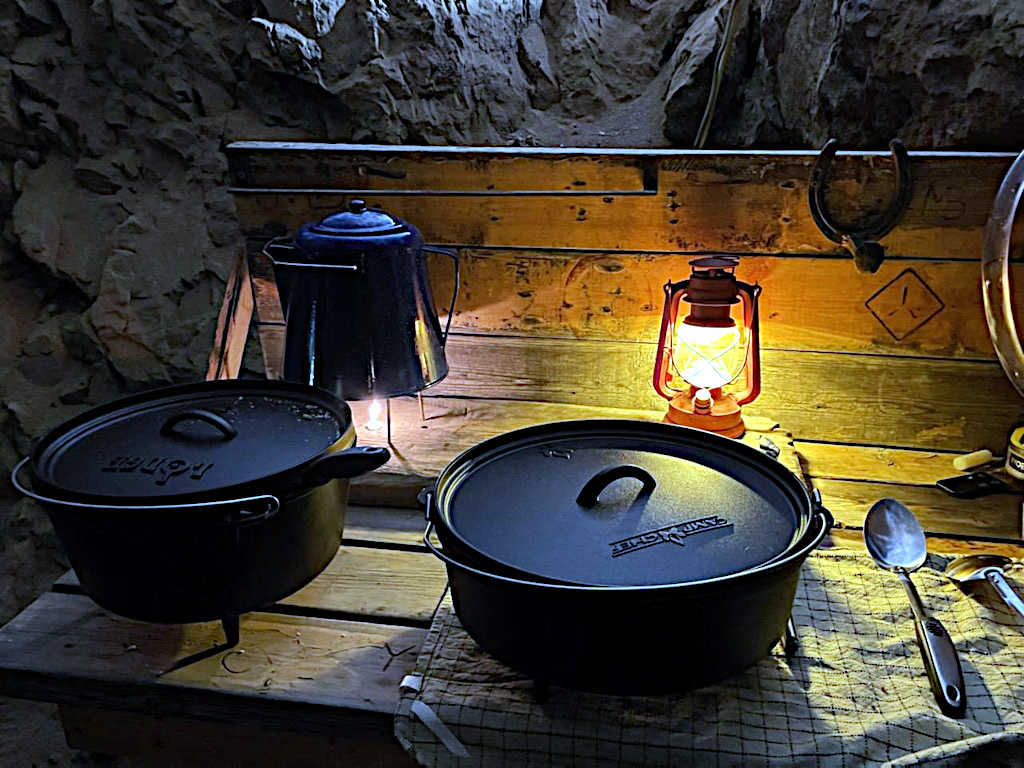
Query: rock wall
[[946, 73], [116, 229]]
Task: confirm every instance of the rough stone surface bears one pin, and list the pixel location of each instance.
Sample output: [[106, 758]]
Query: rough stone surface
[[117, 232], [939, 74]]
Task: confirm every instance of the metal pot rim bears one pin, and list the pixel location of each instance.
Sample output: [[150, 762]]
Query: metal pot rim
[[729, 579]]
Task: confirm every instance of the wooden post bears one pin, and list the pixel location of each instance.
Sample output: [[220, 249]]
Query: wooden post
[[232, 323]]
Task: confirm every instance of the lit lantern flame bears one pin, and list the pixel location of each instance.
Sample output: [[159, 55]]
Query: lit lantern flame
[[374, 423]]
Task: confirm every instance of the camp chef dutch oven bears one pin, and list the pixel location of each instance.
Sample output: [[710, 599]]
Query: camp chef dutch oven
[[622, 556], [201, 501]]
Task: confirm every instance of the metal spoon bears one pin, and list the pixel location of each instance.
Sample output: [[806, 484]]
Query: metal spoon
[[896, 542], [974, 568]]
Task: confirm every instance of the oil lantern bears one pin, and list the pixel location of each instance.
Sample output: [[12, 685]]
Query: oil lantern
[[702, 347]]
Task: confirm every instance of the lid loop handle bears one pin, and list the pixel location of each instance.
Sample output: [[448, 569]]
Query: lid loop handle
[[226, 430], [604, 478]]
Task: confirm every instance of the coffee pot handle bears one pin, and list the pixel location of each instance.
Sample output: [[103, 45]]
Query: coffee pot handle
[[455, 292], [282, 243]]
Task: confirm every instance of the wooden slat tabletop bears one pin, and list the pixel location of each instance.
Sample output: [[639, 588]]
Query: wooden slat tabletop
[[325, 663]]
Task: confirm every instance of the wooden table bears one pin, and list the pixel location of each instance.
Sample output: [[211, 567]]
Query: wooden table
[[314, 680]]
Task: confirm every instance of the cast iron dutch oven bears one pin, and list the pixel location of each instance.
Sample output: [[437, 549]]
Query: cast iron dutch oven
[[201, 501], [623, 556]]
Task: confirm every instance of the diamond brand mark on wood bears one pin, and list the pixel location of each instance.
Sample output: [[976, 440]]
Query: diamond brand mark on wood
[[904, 304]]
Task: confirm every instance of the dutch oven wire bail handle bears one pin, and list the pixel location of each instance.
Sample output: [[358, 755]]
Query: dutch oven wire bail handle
[[241, 511], [455, 289]]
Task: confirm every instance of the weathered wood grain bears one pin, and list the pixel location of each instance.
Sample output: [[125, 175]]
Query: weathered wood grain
[[268, 314], [286, 672], [889, 401], [735, 201], [841, 460], [382, 524], [232, 323], [899, 401], [910, 307], [956, 405], [376, 583], [366, 583], [938, 512], [264, 288], [762, 206], [420, 449], [830, 461], [173, 742], [357, 169], [271, 337], [931, 307]]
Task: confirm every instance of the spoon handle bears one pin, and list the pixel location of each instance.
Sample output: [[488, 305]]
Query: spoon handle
[[1010, 597], [940, 657]]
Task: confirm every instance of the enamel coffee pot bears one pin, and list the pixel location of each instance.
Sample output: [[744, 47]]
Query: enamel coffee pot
[[360, 318]]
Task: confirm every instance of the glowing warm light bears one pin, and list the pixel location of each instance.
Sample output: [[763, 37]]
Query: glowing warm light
[[374, 423], [708, 357]]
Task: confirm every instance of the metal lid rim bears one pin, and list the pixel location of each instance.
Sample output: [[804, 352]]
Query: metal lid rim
[[271, 388], [461, 465]]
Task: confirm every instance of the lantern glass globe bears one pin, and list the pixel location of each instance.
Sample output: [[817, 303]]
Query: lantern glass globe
[[708, 357]]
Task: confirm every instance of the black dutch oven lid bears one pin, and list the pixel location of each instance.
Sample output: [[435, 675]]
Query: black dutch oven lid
[[620, 502], [196, 442]]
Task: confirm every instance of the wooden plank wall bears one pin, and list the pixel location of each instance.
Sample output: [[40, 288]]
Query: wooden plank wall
[[564, 254]]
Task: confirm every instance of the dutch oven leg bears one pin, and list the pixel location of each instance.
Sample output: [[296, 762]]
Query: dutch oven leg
[[230, 624], [788, 640]]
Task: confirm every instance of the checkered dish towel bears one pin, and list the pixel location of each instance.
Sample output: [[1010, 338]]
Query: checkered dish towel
[[855, 692]]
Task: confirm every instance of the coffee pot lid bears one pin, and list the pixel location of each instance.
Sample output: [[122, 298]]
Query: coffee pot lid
[[359, 221]]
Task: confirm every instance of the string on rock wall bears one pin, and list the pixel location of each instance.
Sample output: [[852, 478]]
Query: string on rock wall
[[728, 35]]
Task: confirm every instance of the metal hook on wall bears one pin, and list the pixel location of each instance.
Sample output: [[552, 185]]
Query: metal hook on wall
[[862, 241]]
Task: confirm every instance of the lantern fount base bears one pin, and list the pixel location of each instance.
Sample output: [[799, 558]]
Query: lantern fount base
[[723, 417]]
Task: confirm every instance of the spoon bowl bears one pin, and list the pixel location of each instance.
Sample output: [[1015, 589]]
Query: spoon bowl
[[893, 536], [973, 567], [970, 569]]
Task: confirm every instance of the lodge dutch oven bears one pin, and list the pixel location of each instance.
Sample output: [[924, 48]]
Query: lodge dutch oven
[[201, 501], [622, 556]]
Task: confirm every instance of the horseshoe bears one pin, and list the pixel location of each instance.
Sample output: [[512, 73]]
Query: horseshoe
[[861, 241]]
